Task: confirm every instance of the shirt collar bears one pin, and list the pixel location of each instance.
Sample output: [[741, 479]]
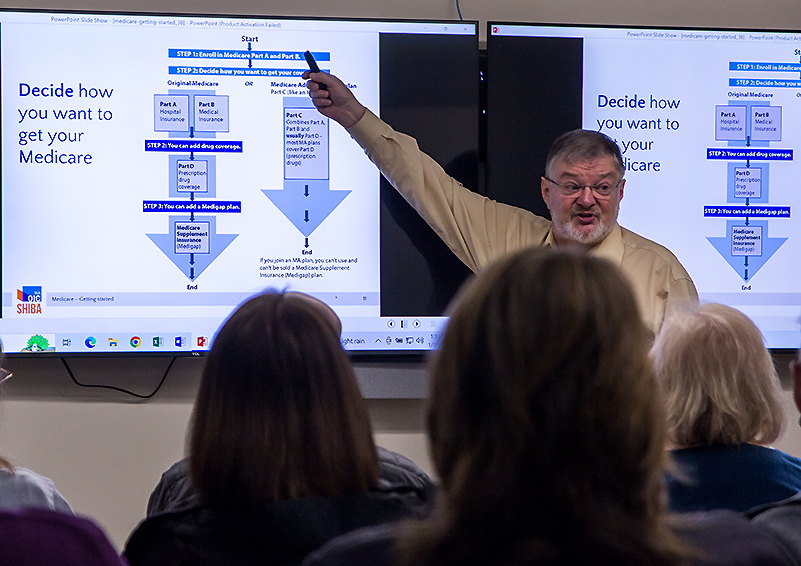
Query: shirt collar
[[610, 248]]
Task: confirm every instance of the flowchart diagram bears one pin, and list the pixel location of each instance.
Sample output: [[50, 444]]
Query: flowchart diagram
[[749, 126], [192, 242], [306, 198], [192, 118]]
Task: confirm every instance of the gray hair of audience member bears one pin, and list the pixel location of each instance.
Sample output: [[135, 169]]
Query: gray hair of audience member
[[545, 419], [717, 378], [582, 145], [279, 414]]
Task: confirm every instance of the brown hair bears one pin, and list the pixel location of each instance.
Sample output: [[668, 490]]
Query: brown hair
[[546, 428], [718, 379], [279, 414]]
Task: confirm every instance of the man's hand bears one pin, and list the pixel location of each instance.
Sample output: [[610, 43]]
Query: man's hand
[[337, 102]]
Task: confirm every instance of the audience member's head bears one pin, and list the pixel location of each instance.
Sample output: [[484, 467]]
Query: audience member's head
[[279, 414], [718, 379], [546, 427]]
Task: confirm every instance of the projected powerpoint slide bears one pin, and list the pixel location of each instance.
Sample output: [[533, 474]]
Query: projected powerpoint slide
[[175, 158], [159, 166], [707, 124]]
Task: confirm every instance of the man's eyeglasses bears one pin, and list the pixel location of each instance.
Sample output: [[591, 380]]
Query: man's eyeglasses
[[6, 375], [571, 189]]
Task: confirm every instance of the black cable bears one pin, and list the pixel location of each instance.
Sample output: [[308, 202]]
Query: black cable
[[459, 11], [120, 389]]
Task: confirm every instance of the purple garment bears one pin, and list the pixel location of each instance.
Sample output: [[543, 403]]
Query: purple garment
[[41, 537]]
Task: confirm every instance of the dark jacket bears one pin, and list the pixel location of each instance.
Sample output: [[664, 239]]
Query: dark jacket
[[783, 521], [736, 477], [180, 531], [714, 539], [280, 533], [396, 473]]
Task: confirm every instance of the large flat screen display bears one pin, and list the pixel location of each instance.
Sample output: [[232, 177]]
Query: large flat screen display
[[158, 170], [708, 124]]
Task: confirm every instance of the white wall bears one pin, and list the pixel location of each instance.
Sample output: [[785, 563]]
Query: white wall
[[105, 452]]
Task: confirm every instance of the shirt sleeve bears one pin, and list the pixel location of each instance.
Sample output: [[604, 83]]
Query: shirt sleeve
[[59, 503], [682, 293], [477, 229]]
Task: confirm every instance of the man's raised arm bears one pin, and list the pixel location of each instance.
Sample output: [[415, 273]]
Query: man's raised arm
[[476, 229]]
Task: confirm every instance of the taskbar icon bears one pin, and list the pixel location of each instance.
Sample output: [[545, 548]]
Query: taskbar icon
[[117, 342]]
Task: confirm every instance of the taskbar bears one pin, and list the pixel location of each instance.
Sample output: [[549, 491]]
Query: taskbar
[[110, 343]]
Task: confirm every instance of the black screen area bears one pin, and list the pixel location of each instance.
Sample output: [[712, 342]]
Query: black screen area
[[534, 90], [432, 95]]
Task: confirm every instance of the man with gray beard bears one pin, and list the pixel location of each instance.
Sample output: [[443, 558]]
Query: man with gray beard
[[582, 187]]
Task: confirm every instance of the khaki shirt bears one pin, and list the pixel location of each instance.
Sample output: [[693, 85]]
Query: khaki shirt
[[479, 230]]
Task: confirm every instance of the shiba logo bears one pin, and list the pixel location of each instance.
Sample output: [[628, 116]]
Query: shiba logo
[[30, 300]]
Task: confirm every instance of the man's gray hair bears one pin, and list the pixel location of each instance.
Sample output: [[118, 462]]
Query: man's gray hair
[[582, 145]]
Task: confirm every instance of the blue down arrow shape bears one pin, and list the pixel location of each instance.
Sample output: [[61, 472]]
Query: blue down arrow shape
[[193, 264], [746, 266], [306, 204]]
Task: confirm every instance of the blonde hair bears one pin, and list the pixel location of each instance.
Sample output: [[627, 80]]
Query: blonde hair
[[718, 379]]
